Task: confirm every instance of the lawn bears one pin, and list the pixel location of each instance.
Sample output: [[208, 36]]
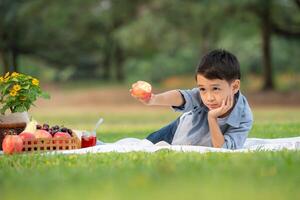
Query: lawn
[[160, 175]]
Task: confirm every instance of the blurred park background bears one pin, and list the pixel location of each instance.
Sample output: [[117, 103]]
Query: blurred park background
[[161, 41], [88, 53]]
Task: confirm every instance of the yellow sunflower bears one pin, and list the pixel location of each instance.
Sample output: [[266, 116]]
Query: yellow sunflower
[[6, 75], [15, 74], [17, 87], [13, 93], [35, 82]]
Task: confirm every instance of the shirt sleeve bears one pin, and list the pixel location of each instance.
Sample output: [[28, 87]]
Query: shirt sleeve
[[191, 100], [236, 137]]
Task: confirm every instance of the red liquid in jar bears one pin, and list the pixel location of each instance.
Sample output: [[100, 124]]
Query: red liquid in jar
[[88, 141]]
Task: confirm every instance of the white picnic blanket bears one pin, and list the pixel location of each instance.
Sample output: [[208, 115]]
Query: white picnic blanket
[[143, 145]]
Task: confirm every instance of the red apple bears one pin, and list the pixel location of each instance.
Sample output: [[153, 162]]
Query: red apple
[[27, 135], [141, 89], [12, 144], [62, 135], [42, 134]]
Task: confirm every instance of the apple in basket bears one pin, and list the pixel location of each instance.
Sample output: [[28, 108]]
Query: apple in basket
[[141, 89], [61, 135], [12, 144], [42, 134], [27, 136]]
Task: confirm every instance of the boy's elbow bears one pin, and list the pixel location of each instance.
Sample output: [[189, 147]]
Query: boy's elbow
[[219, 145], [179, 100]]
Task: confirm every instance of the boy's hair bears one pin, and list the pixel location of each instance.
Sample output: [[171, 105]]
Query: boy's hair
[[219, 64]]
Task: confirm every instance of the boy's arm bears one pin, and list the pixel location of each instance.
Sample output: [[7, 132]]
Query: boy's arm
[[169, 98], [217, 137]]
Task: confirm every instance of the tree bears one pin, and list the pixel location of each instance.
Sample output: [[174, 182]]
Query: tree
[[269, 25], [112, 39], [60, 34], [274, 17], [167, 37], [10, 33]]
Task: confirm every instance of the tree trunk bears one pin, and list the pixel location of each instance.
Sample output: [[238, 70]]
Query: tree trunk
[[119, 64], [266, 44], [108, 52], [15, 56], [5, 61], [106, 67], [4, 53]]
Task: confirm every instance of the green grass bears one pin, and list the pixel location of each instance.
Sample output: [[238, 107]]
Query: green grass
[[160, 175]]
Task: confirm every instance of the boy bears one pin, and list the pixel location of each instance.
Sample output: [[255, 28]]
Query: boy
[[215, 114]]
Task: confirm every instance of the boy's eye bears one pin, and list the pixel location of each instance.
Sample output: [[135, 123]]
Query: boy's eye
[[201, 89], [216, 89]]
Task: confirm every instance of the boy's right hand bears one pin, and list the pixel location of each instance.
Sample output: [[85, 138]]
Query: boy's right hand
[[146, 101], [141, 90]]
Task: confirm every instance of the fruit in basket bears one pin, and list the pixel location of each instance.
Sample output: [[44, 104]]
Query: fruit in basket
[[12, 144], [27, 135], [70, 131], [52, 130], [62, 135], [30, 126], [141, 89], [42, 134], [46, 127], [55, 129]]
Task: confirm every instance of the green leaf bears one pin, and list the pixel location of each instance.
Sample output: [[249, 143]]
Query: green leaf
[[14, 79], [45, 95], [26, 87], [4, 108], [28, 106], [20, 108], [5, 88]]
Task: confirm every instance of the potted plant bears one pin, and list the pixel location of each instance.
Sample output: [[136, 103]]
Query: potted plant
[[18, 92]]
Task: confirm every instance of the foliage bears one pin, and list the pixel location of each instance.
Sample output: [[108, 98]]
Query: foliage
[[19, 92], [132, 39]]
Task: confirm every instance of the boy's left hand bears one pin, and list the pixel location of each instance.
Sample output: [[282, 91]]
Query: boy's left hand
[[223, 109]]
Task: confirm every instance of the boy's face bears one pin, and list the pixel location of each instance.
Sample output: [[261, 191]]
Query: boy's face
[[214, 91]]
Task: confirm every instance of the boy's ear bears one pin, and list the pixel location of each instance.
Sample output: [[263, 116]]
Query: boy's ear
[[235, 85]]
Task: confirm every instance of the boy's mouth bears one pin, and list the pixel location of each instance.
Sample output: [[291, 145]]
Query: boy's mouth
[[212, 106]]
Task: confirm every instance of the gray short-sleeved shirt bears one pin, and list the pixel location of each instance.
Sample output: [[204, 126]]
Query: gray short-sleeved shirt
[[193, 126]]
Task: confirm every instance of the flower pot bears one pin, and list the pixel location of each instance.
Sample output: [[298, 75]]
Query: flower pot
[[12, 122]]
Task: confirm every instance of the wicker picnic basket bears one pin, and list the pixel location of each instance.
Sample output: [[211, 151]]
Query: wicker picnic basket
[[51, 144], [40, 144], [16, 122]]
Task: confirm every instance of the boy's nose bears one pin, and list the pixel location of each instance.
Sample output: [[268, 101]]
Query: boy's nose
[[210, 97]]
